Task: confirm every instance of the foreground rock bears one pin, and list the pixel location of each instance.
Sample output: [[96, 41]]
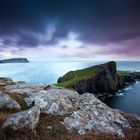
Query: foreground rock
[[80, 113], [25, 88], [23, 120], [54, 101], [94, 116], [6, 102]]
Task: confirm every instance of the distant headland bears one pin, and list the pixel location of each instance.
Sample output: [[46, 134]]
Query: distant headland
[[15, 60]]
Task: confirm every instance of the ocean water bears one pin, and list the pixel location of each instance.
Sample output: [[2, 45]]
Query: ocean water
[[49, 71]]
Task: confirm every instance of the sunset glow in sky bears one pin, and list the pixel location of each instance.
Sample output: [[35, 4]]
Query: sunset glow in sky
[[70, 29]]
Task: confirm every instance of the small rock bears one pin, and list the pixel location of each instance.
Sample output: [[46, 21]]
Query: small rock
[[49, 127], [6, 102], [26, 119]]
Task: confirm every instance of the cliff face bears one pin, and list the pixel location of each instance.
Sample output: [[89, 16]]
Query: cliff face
[[15, 60], [106, 80]]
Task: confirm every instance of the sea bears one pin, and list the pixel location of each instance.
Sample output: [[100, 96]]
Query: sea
[[47, 72]]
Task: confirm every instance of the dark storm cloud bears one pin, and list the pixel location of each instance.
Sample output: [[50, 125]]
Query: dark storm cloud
[[22, 22]]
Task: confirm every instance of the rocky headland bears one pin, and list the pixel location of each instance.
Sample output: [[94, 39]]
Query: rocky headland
[[54, 112], [98, 79], [15, 60]]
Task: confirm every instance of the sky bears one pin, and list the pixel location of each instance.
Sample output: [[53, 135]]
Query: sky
[[70, 29]]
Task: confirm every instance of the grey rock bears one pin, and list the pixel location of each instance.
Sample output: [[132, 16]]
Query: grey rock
[[26, 119], [54, 100], [25, 88], [6, 102], [94, 116]]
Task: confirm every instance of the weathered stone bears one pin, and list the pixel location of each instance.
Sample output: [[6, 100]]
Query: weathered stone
[[25, 88], [23, 120], [6, 102], [94, 116], [54, 100]]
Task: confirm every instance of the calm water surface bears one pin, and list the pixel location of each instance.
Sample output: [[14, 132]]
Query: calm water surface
[[48, 72]]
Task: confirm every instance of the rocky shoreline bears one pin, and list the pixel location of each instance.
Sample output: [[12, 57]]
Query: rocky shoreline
[[48, 110]]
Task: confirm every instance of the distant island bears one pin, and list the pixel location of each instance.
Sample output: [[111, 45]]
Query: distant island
[[15, 60]]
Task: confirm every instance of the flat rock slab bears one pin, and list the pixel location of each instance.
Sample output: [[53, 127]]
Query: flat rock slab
[[94, 116], [6, 102], [26, 119]]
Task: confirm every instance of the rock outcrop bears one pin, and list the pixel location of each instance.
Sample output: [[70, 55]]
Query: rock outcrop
[[54, 101], [24, 88], [6, 102], [15, 60], [23, 120], [94, 116], [79, 113], [105, 80]]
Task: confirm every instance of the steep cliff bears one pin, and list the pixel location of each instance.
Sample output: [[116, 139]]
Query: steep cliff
[[102, 78]]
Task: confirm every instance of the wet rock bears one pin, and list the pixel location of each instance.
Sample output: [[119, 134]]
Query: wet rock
[[94, 116], [6, 102], [23, 120]]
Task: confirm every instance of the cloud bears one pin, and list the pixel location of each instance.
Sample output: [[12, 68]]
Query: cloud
[[125, 36], [105, 26]]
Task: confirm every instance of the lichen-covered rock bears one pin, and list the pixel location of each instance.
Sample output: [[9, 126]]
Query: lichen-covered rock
[[24, 88], [94, 116], [23, 120], [6, 102], [54, 100]]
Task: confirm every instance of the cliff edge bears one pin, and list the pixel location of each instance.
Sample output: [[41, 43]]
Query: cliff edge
[[102, 78]]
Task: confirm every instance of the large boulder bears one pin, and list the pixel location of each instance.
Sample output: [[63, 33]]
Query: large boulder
[[54, 101], [94, 116], [23, 120], [6, 102]]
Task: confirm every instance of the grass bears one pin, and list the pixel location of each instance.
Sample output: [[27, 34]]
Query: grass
[[73, 76], [124, 73]]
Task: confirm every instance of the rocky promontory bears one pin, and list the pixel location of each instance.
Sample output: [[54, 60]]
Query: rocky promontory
[[15, 60], [98, 79]]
